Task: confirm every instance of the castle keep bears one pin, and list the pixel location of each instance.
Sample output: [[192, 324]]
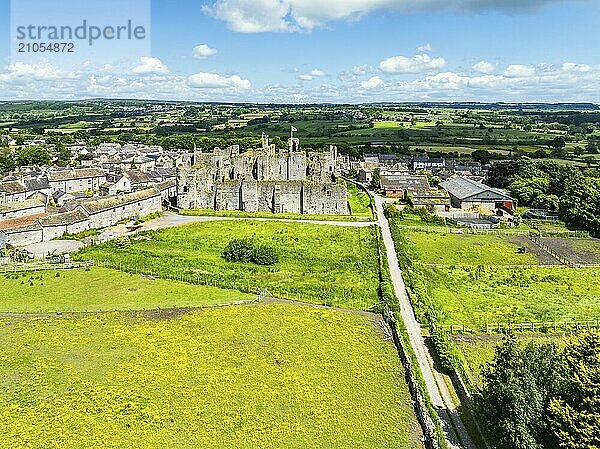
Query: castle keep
[[264, 179]]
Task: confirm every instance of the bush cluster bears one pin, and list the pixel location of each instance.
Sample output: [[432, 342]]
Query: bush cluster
[[250, 250], [445, 348]]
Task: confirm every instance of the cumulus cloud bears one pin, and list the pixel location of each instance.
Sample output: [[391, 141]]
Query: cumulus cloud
[[360, 70], [150, 65], [205, 80], [416, 64], [203, 51], [484, 67], [315, 73], [257, 16], [519, 71], [39, 71], [576, 68], [425, 48], [372, 83]]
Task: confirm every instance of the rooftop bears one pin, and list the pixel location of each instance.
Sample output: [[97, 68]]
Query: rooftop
[[462, 187]]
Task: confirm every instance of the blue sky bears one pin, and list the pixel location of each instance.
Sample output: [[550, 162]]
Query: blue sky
[[336, 51]]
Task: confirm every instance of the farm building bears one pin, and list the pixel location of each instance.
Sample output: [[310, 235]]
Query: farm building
[[439, 200], [466, 194], [398, 186]]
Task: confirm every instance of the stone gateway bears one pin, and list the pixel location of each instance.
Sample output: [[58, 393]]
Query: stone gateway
[[264, 179]]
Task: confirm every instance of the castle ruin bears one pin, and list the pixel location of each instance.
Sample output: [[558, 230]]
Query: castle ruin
[[263, 179]]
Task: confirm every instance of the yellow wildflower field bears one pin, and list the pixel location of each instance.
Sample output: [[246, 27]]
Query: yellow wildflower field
[[268, 376]]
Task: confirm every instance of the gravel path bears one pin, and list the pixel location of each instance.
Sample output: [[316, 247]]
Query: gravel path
[[454, 429]]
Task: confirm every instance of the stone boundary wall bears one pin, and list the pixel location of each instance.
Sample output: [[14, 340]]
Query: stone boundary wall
[[421, 410]]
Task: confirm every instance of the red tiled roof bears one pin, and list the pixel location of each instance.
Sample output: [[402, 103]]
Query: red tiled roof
[[13, 223]]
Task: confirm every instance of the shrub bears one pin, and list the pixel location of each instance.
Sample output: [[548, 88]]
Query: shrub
[[391, 211], [445, 348], [249, 250], [264, 255]]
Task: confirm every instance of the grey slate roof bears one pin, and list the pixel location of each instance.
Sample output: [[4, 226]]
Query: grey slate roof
[[96, 205], [65, 218], [462, 188], [77, 173], [32, 184], [12, 187], [20, 205], [405, 182]]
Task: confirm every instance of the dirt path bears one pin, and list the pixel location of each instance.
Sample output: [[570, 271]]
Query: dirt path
[[454, 429]]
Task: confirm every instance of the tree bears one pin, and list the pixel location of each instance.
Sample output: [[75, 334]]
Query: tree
[[375, 179], [34, 155], [575, 411], [482, 156], [580, 203], [517, 388], [7, 163], [250, 251]]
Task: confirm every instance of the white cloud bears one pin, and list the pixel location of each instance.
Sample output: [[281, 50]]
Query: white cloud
[[577, 68], [484, 67], [39, 71], [257, 16], [203, 51], [360, 70], [416, 64], [372, 83], [425, 48], [206, 80], [150, 66], [519, 71], [315, 73]]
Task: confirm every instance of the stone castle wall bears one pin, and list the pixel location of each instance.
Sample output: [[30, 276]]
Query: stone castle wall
[[263, 180]]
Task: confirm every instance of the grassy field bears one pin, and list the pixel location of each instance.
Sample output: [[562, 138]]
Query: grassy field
[[102, 289], [360, 202], [460, 249], [387, 124], [331, 265], [277, 376], [501, 295], [475, 284]]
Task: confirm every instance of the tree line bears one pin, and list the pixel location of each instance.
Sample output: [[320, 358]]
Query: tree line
[[539, 396], [571, 191]]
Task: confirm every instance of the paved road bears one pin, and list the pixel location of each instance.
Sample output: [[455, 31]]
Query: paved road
[[454, 429]]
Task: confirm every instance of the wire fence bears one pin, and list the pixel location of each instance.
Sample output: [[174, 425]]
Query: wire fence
[[327, 295], [531, 326], [560, 257], [20, 268]]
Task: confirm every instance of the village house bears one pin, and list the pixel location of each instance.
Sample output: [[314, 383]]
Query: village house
[[437, 200], [82, 215], [425, 163], [19, 209], [12, 191], [76, 179]]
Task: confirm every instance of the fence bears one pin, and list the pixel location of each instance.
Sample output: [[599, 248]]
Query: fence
[[347, 297], [540, 326], [449, 230], [6, 269]]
